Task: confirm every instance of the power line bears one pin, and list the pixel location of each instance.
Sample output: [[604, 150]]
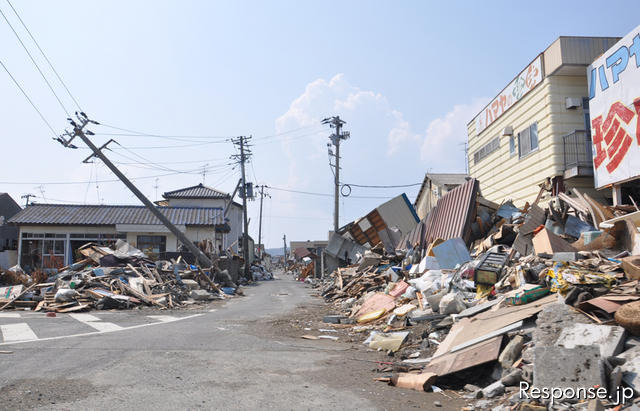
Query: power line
[[34, 62], [45, 56], [323, 194], [29, 99], [94, 181], [288, 132], [315, 133], [181, 137], [186, 161], [173, 146], [134, 133], [393, 186]]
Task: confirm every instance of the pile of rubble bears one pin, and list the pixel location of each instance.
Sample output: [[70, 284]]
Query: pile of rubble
[[117, 278], [498, 302]]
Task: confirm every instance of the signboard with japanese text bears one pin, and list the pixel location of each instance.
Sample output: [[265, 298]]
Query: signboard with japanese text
[[518, 88], [614, 107]]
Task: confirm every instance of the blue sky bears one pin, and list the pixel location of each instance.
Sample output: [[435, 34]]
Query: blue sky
[[406, 76]]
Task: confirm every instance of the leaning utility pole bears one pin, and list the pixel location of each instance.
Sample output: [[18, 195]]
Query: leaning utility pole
[[78, 131], [262, 195], [336, 122], [242, 158]]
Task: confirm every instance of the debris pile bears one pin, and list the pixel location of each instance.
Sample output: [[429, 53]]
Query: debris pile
[[495, 302], [117, 278]]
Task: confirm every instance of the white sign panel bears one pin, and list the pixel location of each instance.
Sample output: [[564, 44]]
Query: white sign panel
[[614, 107], [518, 88]]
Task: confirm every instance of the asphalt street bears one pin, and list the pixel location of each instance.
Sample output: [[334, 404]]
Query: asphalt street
[[186, 359]]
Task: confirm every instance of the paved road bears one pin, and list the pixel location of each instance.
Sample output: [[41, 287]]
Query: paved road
[[129, 360]]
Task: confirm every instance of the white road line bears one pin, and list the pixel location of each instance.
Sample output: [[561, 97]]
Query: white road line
[[95, 322], [84, 317], [163, 318], [97, 332], [17, 332], [9, 315]]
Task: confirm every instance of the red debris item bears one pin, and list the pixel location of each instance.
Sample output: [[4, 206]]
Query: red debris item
[[538, 229], [50, 314]]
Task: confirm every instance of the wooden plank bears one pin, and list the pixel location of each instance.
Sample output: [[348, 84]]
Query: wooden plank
[[208, 280], [481, 353], [577, 205], [24, 291], [633, 217], [592, 212], [79, 307], [138, 295], [487, 336], [469, 328]]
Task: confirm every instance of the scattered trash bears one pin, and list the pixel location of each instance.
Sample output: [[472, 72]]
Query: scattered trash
[[456, 302], [117, 278]]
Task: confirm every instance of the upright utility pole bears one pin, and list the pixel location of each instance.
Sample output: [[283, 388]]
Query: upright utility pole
[[336, 122], [242, 158], [78, 131], [284, 238], [27, 197], [262, 195]]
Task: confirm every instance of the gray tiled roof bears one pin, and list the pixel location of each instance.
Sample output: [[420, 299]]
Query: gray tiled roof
[[200, 191], [59, 214]]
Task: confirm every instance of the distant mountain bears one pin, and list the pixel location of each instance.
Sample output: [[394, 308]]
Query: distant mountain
[[275, 251]]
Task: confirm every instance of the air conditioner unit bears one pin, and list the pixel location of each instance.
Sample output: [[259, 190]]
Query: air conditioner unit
[[508, 131], [572, 103]]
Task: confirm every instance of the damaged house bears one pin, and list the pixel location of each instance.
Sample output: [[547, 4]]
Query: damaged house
[[50, 234], [433, 187]]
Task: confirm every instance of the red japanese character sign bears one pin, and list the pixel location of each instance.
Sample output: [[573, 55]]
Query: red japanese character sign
[[614, 105]]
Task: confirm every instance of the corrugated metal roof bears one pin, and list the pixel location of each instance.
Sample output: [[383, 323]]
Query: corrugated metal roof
[[200, 191], [453, 214], [59, 214], [397, 212]]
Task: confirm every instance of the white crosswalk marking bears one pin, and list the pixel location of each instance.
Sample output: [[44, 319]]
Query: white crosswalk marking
[[84, 317], [94, 322], [101, 326], [9, 315], [17, 332], [163, 318]]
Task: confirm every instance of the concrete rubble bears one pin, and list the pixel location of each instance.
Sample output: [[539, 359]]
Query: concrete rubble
[[502, 302], [118, 278]]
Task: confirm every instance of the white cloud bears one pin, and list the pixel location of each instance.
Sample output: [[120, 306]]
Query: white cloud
[[337, 96], [442, 147], [383, 149]]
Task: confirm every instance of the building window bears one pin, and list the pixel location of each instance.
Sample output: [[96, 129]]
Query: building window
[[152, 244], [43, 250], [528, 140], [512, 145], [485, 150]]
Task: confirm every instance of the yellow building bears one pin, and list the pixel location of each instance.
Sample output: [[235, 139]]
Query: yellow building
[[536, 128]]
